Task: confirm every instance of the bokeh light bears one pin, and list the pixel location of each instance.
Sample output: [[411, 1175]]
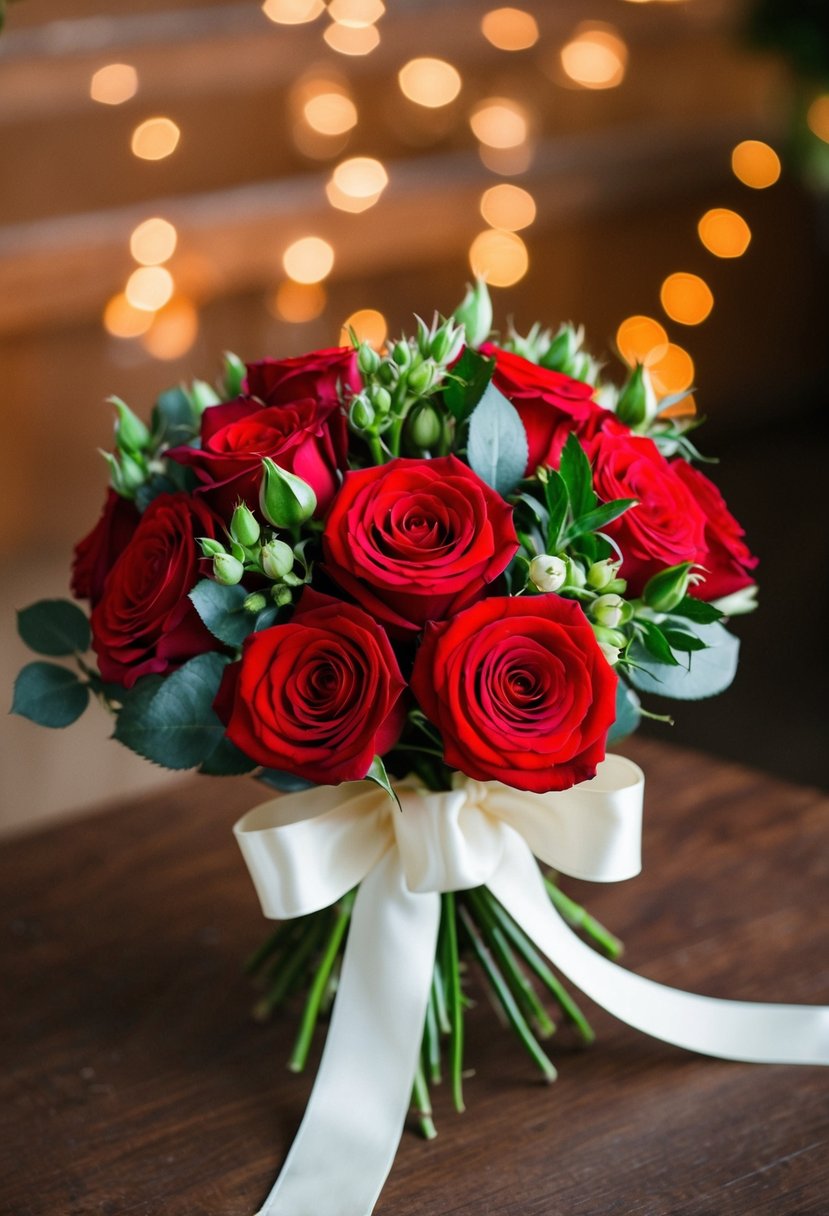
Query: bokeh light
[[595, 57], [114, 84], [429, 82], [510, 29], [500, 122], [293, 12], [817, 117], [755, 164], [356, 14], [330, 112], [173, 330], [155, 138], [149, 287], [724, 233], [153, 241], [308, 260], [672, 371], [298, 302], [368, 324], [507, 206], [686, 298], [124, 320], [356, 184], [350, 40], [507, 162], [640, 339], [499, 257]]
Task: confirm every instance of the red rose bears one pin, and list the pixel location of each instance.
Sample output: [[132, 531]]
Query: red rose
[[519, 690], [144, 623], [318, 697], [727, 559], [550, 404], [96, 553], [322, 375], [666, 527], [417, 540]]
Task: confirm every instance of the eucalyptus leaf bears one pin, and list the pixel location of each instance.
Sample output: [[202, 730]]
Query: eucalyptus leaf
[[711, 671], [49, 695], [176, 725], [497, 447], [54, 627], [628, 716]]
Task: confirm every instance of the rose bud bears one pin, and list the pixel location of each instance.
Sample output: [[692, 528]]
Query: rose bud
[[474, 313], [637, 400], [668, 588], [368, 360], [608, 610], [548, 573], [243, 527], [227, 570], [276, 559], [233, 375], [285, 500], [424, 426], [601, 573], [131, 434]]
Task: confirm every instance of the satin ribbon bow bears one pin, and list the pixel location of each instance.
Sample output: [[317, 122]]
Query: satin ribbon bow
[[304, 851]]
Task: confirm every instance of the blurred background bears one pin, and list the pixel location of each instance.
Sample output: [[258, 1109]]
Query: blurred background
[[182, 177]]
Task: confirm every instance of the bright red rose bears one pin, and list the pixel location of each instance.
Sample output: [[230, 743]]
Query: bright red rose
[[306, 437], [144, 623], [96, 554], [322, 375], [727, 559], [319, 697], [666, 527], [550, 404], [417, 540], [519, 690]]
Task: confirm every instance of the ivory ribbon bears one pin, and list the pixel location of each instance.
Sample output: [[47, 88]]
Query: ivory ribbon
[[304, 851]]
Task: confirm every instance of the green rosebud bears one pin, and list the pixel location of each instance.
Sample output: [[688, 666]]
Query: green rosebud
[[547, 572], [360, 413], [422, 378], [637, 400], [380, 399], [276, 559], [560, 354], [210, 547], [368, 360], [610, 637], [576, 575], [227, 570], [131, 434], [424, 426], [447, 343], [281, 595], [402, 354], [233, 375], [474, 313], [602, 573], [202, 395], [387, 373], [243, 526], [611, 653], [608, 610], [254, 603], [285, 500], [668, 588]]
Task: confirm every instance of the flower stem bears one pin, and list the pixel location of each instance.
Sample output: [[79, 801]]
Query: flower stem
[[310, 1013], [431, 1043], [269, 946], [422, 1105], [439, 998], [376, 448], [451, 967], [521, 988], [578, 918], [287, 972], [502, 991]]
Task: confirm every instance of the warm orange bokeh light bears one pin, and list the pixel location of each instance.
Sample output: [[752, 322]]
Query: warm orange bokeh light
[[818, 117], [356, 184], [308, 260], [724, 233], [510, 29], [349, 40], [356, 14], [330, 113], [155, 139], [114, 84], [499, 122], [173, 331], [672, 371], [640, 339], [123, 320], [153, 241], [368, 324], [292, 12], [429, 82], [298, 302], [149, 288], [755, 164], [509, 207], [686, 298], [595, 57], [499, 257]]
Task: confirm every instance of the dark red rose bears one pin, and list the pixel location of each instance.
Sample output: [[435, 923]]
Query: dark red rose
[[321, 375], [306, 437], [666, 527], [727, 559], [550, 404], [97, 552], [319, 697], [519, 690], [144, 623], [416, 540]]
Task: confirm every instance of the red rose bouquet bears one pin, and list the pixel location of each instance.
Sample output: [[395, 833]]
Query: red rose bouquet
[[417, 590]]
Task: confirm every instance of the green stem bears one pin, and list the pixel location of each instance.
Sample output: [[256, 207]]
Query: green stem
[[439, 997], [454, 1002], [578, 918], [519, 984], [502, 991], [431, 1043], [310, 1013], [269, 946], [376, 448], [422, 1105], [537, 964], [287, 972]]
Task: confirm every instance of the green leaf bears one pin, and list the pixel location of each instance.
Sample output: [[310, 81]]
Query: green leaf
[[176, 726], [710, 671], [377, 773], [497, 446], [537, 509], [578, 477], [466, 383], [697, 610], [679, 639], [226, 760], [656, 643], [598, 518], [54, 627], [286, 783], [49, 695], [628, 716], [220, 609], [174, 419], [557, 503]]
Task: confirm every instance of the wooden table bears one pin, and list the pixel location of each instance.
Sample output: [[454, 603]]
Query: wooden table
[[135, 1082]]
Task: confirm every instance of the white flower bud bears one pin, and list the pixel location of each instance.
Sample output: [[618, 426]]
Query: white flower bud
[[607, 610], [548, 573], [611, 653]]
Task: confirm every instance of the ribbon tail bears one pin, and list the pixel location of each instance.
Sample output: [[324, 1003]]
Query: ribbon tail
[[733, 1030], [349, 1135]]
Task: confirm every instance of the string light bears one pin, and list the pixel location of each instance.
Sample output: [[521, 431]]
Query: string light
[[368, 325], [595, 58], [149, 288], [755, 164], [686, 298], [499, 257], [510, 29], [818, 117], [348, 40], [507, 206], [292, 12], [308, 260], [724, 233], [429, 82], [124, 320], [499, 122], [298, 303], [173, 330], [153, 241], [356, 184], [114, 84], [155, 138]]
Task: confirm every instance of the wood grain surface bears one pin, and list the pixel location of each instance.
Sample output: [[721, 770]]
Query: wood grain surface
[[135, 1082]]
